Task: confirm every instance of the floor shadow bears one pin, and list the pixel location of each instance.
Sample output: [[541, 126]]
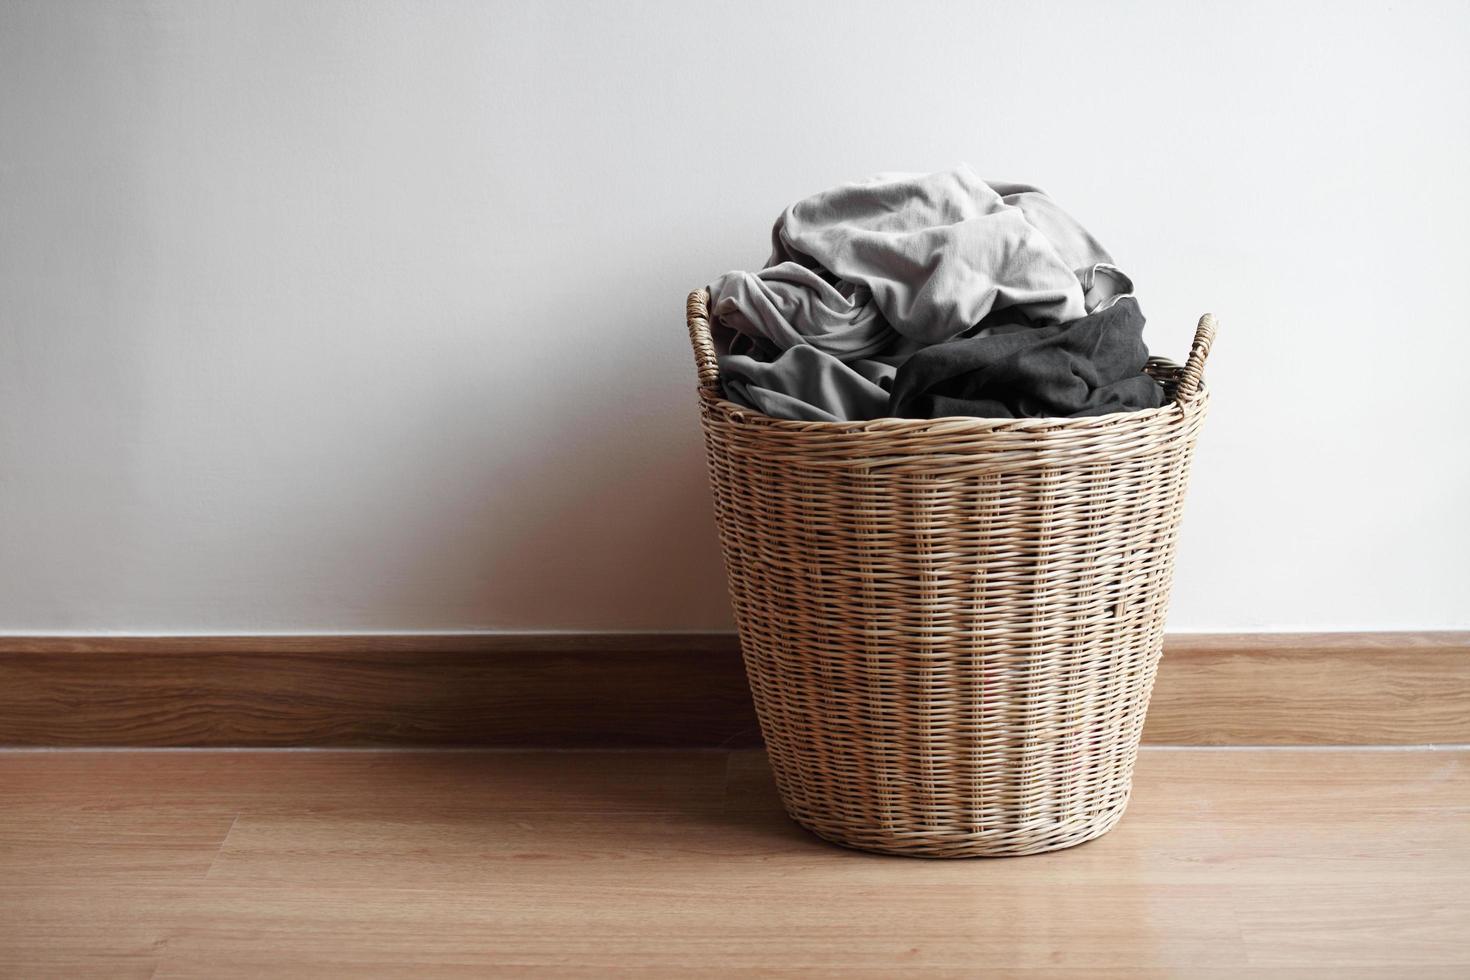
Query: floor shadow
[[689, 800]]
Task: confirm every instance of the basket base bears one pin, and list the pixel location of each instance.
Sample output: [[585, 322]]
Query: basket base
[[1008, 843]]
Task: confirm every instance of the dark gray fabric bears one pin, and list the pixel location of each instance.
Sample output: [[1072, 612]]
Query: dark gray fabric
[[1012, 368]]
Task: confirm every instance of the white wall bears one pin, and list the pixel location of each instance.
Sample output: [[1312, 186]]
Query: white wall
[[341, 315]]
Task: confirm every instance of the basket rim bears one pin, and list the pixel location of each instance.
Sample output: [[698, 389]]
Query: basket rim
[[955, 424]]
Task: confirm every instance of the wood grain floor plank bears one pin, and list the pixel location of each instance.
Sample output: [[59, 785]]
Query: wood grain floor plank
[[96, 929], [424, 782], [180, 967], [1325, 828], [1395, 926], [691, 929], [1229, 863], [109, 842]]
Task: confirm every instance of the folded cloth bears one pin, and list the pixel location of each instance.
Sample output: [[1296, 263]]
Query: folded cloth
[[939, 251], [1011, 368]]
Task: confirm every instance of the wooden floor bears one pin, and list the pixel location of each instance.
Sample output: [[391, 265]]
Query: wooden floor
[[1230, 863]]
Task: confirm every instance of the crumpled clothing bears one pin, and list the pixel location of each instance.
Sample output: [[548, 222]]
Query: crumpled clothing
[[1103, 285], [939, 251], [787, 305], [808, 384], [1013, 368], [863, 276]]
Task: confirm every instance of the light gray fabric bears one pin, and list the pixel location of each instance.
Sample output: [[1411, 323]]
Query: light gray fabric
[[789, 304], [1073, 244], [863, 275], [939, 251], [1103, 285], [808, 385]]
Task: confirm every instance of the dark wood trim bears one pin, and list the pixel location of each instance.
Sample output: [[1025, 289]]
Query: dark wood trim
[[574, 690], [1398, 688], [370, 644], [652, 689]]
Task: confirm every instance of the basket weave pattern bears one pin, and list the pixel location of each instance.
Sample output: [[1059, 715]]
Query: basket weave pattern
[[951, 627]]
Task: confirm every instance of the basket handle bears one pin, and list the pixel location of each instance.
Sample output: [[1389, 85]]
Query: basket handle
[[696, 312], [1193, 374]]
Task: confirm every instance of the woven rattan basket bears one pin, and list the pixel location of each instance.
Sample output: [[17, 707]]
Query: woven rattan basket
[[951, 627]]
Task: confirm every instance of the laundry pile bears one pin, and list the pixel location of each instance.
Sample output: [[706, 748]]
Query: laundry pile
[[931, 295]]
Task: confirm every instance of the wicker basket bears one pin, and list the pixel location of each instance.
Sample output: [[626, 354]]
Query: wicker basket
[[951, 626]]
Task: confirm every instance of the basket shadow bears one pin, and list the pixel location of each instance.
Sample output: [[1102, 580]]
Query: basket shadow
[[519, 803]]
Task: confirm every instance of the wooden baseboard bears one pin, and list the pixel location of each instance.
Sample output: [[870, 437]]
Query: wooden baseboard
[[1312, 689], [622, 690]]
